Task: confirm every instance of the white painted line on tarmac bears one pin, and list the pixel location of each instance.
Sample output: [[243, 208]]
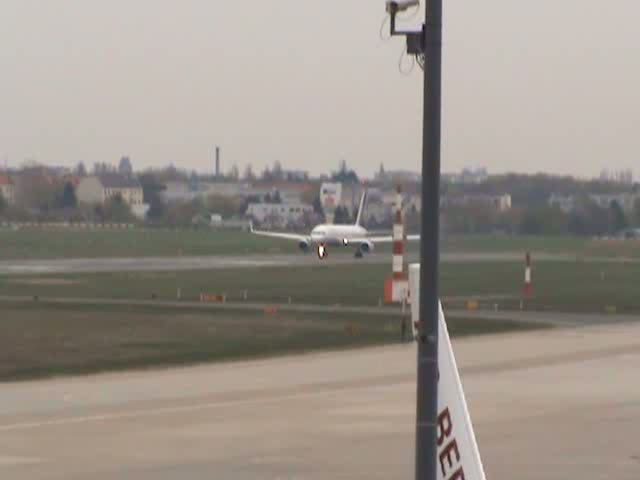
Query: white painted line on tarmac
[[7, 461], [171, 410]]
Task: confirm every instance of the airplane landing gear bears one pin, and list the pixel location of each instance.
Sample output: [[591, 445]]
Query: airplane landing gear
[[358, 254]]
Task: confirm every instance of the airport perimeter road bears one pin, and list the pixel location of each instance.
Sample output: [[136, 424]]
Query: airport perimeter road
[[546, 405], [88, 265]]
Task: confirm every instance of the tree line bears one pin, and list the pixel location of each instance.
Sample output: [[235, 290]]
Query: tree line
[[586, 219]]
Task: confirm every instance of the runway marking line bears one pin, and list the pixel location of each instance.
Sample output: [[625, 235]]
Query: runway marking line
[[332, 388], [166, 410]]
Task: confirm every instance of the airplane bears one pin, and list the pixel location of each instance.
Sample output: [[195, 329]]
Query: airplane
[[325, 235]]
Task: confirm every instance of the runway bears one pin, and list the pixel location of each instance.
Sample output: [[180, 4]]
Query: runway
[[94, 265], [547, 405]]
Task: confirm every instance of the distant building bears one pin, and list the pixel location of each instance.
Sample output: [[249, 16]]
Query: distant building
[[352, 193], [397, 176], [624, 177], [499, 203], [377, 213], [413, 202], [502, 203], [279, 214], [467, 176], [100, 188], [569, 203], [289, 192], [74, 180], [187, 191], [630, 233], [346, 195], [295, 175], [7, 188], [224, 189], [626, 201], [566, 203]]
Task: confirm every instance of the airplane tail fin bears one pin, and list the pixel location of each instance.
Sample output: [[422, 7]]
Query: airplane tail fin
[[361, 208], [454, 427]]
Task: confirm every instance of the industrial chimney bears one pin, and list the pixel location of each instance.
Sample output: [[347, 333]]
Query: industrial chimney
[[217, 162]]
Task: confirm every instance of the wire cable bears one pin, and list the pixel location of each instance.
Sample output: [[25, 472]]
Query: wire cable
[[385, 21], [406, 71]]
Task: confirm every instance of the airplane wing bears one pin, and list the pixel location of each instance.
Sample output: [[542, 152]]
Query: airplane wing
[[285, 236]]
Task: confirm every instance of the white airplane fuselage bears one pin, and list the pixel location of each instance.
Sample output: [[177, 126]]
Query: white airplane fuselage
[[336, 235]]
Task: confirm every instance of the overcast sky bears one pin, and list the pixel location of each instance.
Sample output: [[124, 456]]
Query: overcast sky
[[528, 86]]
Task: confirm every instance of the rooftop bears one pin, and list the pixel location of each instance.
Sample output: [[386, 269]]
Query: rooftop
[[115, 180], [5, 180]]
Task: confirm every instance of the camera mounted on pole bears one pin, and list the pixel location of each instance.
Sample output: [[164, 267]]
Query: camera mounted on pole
[[415, 38]]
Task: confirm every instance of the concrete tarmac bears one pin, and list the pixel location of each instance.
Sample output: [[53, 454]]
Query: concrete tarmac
[[90, 265], [546, 405]]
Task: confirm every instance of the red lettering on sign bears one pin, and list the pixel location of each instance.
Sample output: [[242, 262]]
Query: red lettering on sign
[[444, 426], [446, 455], [457, 475]]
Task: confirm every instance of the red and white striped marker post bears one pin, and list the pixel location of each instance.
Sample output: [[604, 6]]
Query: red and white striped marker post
[[528, 285], [397, 287], [398, 240]]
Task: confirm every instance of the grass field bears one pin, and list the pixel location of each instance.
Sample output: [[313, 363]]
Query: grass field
[[45, 340], [42, 243], [580, 246], [577, 286]]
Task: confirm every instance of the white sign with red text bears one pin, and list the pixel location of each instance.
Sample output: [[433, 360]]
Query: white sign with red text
[[330, 196], [458, 455]]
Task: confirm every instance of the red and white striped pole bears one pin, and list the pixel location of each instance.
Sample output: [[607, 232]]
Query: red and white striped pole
[[396, 287], [528, 285], [398, 240]]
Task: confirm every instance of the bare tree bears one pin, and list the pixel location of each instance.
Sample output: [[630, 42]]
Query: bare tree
[[234, 174], [80, 170], [277, 171], [125, 167], [248, 173]]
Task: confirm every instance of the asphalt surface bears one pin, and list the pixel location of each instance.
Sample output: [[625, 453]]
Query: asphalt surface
[[89, 265], [546, 405]]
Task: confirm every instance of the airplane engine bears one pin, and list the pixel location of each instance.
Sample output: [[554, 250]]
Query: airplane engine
[[304, 245], [366, 247]]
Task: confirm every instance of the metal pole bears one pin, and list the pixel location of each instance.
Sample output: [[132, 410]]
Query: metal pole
[[427, 381]]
